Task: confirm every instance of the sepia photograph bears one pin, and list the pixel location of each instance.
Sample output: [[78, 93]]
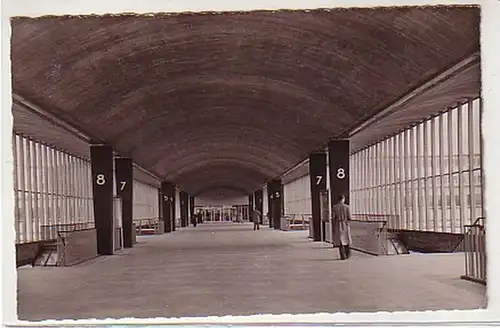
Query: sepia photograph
[[237, 163]]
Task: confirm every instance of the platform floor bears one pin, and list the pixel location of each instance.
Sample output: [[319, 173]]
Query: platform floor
[[229, 269]]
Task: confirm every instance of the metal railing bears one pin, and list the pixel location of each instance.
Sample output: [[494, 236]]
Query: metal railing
[[147, 226], [58, 233], [370, 236], [369, 233], [392, 220], [296, 221], [475, 251], [51, 231]]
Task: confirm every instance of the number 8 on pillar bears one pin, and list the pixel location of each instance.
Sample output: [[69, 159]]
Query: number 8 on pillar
[[100, 180]]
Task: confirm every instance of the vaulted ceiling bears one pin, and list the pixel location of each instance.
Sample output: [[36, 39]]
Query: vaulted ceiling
[[230, 100]]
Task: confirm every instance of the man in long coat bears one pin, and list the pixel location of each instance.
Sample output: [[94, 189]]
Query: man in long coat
[[341, 227]]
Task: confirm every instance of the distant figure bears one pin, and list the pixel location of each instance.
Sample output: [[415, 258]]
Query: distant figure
[[256, 219], [194, 218], [200, 216], [341, 215]]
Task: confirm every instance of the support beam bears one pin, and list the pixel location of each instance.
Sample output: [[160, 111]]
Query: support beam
[[275, 194], [184, 201], [251, 207], [161, 209], [191, 211], [338, 160], [270, 204], [317, 174], [168, 205], [174, 208], [259, 203], [124, 189], [102, 187]]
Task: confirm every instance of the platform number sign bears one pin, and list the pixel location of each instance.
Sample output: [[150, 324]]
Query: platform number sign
[[122, 185], [167, 199], [100, 180], [277, 194], [340, 173], [319, 178]]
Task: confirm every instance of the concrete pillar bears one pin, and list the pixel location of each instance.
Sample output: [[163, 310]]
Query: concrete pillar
[[317, 174], [282, 205], [270, 203], [259, 203], [160, 208], [101, 157], [279, 196], [184, 208], [174, 209], [191, 210], [124, 189], [338, 161], [251, 207], [167, 204], [275, 194]]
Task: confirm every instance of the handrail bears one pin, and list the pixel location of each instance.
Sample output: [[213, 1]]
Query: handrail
[[303, 219], [392, 220], [476, 222], [371, 221], [153, 223], [50, 231], [475, 251]]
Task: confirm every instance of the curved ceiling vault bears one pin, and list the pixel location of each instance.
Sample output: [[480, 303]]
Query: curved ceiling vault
[[221, 191], [230, 100]]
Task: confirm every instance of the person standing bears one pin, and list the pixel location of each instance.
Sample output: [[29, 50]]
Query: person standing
[[196, 218], [256, 219], [341, 217]]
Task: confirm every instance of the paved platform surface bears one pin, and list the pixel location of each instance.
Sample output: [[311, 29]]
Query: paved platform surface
[[229, 269]]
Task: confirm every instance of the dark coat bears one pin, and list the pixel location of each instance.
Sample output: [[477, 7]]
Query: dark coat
[[341, 227], [256, 216]]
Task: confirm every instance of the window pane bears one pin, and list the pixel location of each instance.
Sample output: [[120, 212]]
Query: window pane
[[436, 136], [464, 137], [476, 141], [477, 194], [454, 140], [444, 142]]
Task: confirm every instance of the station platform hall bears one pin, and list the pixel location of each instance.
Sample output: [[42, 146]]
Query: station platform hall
[[229, 269], [209, 164]]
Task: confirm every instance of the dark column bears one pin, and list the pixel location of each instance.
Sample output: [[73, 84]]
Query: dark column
[[191, 209], [317, 173], [168, 194], [259, 203], [160, 208], [102, 187], [250, 206], [282, 205], [277, 203], [174, 210], [174, 219], [275, 194], [270, 203], [184, 208], [338, 158], [124, 185]]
